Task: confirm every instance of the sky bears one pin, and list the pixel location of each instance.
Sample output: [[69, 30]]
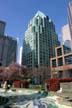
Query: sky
[[17, 14]]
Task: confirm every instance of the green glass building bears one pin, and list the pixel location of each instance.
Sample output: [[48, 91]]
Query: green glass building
[[39, 42]]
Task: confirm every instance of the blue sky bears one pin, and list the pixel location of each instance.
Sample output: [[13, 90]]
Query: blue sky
[[17, 14]]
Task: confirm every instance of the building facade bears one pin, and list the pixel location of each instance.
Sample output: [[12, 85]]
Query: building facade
[[70, 17], [20, 56], [61, 65], [66, 36], [2, 27], [8, 50], [39, 42], [67, 29], [8, 47]]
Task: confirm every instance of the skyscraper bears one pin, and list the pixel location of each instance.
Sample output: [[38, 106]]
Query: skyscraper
[[39, 42], [8, 47], [66, 36], [20, 56], [2, 27], [8, 50], [70, 17], [67, 29]]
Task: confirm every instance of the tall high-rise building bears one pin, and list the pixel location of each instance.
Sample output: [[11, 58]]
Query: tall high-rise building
[[20, 56], [66, 37], [67, 29], [39, 42], [8, 48], [70, 17], [2, 27]]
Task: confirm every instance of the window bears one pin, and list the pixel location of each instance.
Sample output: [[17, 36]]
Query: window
[[68, 59], [60, 74], [60, 62], [54, 63], [36, 21], [67, 50], [1, 40], [33, 29], [59, 51]]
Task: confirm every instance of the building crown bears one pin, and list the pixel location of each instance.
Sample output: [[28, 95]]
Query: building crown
[[41, 14]]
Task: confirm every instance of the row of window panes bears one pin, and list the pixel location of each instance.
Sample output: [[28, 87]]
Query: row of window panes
[[60, 62], [67, 50], [29, 61], [59, 51], [54, 63], [68, 59]]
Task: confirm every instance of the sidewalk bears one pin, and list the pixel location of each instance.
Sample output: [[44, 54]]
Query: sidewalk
[[65, 98]]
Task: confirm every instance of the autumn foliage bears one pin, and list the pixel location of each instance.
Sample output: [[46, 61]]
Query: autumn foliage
[[13, 72]]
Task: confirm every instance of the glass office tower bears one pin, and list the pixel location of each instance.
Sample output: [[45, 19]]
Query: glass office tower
[[39, 42]]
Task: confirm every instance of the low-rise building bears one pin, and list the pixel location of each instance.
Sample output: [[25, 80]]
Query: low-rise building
[[61, 64]]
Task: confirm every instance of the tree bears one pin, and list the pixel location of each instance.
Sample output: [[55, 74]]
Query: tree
[[14, 72]]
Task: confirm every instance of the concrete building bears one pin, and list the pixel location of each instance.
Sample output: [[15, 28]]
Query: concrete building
[[61, 65], [2, 27], [70, 17], [66, 36], [8, 50], [67, 29], [20, 56], [8, 47], [39, 42]]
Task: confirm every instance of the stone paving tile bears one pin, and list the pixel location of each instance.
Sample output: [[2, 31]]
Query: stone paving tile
[[65, 98]]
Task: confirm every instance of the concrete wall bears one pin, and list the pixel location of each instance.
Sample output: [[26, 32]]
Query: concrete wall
[[66, 87]]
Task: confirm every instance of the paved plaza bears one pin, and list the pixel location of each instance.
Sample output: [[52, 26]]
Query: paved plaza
[[27, 98]]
